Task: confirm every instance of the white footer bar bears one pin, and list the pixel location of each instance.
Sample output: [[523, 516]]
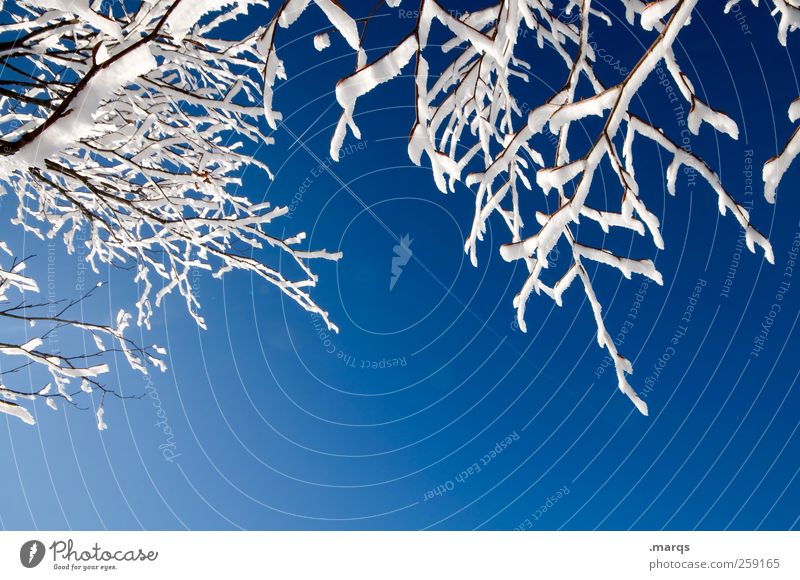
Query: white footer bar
[[401, 555]]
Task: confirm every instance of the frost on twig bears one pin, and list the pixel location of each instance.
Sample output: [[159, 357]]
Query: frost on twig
[[129, 132], [31, 329], [472, 129], [787, 13]]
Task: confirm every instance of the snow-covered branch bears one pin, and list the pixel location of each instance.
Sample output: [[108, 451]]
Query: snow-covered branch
[[135, 129], [472, 127], [34, 331], [788, 15]]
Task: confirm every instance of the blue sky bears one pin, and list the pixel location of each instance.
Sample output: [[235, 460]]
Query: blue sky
[[430, 409]]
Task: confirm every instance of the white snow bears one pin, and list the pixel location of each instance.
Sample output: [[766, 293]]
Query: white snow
[[366, 79], [79, 123], [188, 12], [101, 424], [83, 9], [322, 41], [341, 21], [776, 167], [16, 411]]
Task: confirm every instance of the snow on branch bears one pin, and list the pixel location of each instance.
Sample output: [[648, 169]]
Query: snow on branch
[[472, 128], [131, 131], [30, 343], [788, 15]]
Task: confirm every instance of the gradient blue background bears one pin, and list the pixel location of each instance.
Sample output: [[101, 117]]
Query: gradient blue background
[[273, 431]]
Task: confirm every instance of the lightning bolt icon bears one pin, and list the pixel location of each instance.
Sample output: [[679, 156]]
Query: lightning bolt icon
[[34, 551], [402, 254]]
